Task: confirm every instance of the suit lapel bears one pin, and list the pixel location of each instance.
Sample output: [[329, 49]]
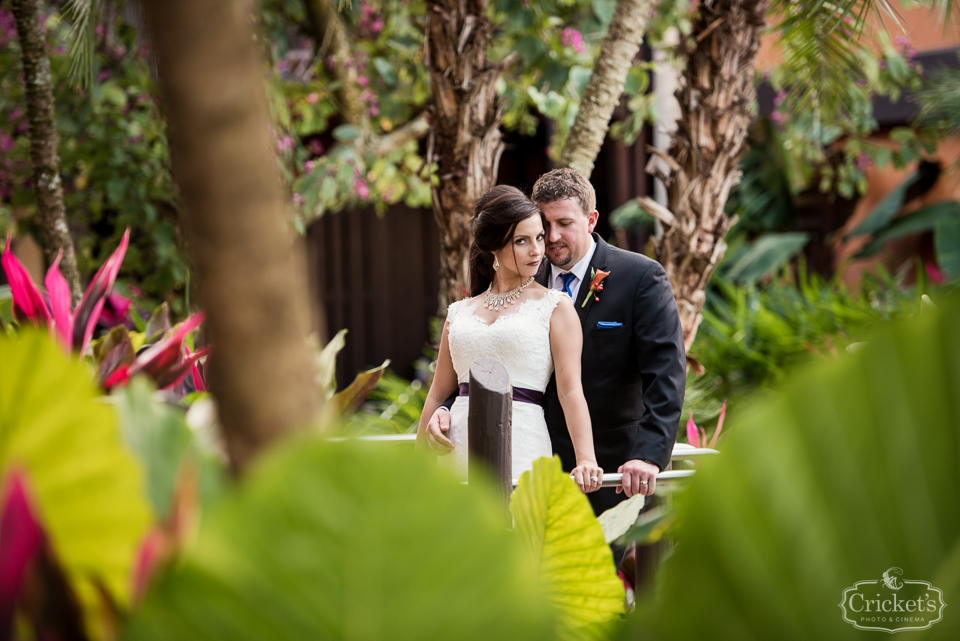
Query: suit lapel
[[543, 276], [599, 261]]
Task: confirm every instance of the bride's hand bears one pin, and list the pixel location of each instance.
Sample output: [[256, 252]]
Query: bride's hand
[[588, 476]]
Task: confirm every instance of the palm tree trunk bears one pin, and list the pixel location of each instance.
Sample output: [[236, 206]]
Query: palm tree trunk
[[715, 95], [465, 137], [620, 47], [250, 270], [43, 143]]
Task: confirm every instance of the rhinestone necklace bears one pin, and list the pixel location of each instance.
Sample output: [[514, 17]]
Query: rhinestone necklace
[[496, 301]]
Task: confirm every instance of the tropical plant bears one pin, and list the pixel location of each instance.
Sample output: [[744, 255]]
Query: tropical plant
[[113, 158], [809, 497], [73, 327], [74, 503], [893, 218], [576, 568], [346, 540]]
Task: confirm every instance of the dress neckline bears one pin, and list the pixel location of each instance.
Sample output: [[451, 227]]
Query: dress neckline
[[520, 307]]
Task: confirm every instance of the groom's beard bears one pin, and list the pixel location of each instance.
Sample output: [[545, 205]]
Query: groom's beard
[[560, 255]]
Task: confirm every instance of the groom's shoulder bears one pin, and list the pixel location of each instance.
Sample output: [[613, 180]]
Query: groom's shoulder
[[631, 263]]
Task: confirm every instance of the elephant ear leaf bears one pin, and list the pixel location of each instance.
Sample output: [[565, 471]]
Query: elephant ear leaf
[[849, 470], [87, 488], [576, 566]]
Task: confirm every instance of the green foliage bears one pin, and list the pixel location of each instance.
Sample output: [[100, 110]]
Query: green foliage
[[576, 567], [393, 407], [847, 471], [938, 100], [348, 541], [114, 160], [766, 255], [88, 488], [752, 336]]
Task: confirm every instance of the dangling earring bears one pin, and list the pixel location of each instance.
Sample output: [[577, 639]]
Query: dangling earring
[[496, 264]]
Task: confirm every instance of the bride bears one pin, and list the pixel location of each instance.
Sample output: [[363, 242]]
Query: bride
[[528, 328]]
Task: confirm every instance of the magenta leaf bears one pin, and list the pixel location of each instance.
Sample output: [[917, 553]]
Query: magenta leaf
[[723, 415], [120, 355], [21, 539], [158, 360], [59, 292], [26, 296], [198, 383], [693, 437], [173, 376], [88, 311]]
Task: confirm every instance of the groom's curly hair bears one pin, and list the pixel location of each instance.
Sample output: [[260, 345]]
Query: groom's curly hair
[[561, 184]]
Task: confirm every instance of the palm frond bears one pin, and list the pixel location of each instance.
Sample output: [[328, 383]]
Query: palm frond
[[938, 102], [83, 38]]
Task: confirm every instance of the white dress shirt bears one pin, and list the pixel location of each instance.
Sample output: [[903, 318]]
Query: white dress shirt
[[579, 271]]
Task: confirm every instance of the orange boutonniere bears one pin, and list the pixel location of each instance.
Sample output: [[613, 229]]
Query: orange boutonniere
[[596, 286]]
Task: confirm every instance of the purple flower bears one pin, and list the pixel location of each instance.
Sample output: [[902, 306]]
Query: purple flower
[[6, 142], [315, 147], [573, 39], [373, 110], [308, 166], [100, 30], [102, 76], [16, 114], [363, 81], [284, 144], [377, 25], [777, 118], [312, 98], [780, 97], [864, 161]]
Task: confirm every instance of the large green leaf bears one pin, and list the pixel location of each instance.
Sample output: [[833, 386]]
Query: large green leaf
[[769, 253], [349, 541], [851, 469], [947, 242], [887, 208], [576, 566], [921, 220], [88, 488]]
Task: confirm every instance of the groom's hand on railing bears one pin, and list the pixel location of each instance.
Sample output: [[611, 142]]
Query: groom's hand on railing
[[436, 430], [639, 477]]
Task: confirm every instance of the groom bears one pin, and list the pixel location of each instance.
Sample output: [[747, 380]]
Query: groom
[[633, 362]]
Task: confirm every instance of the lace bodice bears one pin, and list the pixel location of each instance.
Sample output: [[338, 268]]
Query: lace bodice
[[520, 339]]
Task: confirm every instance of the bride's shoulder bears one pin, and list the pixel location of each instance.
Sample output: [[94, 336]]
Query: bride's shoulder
[[459, 306]]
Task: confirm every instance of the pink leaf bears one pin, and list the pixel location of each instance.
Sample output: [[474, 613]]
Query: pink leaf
[[120, 376], [26, 296], [723, 415], [195, 372], [21, 538], [173, 376], [88, 311], [148, 557], [59, 292], [692, 436], [166, 354]]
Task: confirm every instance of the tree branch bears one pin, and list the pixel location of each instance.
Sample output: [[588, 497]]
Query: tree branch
[[412, 130]]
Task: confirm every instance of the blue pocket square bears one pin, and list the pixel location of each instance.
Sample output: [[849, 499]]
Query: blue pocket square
[[602, 324]]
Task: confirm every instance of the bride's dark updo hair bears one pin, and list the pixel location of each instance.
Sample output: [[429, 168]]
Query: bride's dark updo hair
[[496, 217]]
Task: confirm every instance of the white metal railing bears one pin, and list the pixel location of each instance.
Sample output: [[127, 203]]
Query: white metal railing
[[681, 452]]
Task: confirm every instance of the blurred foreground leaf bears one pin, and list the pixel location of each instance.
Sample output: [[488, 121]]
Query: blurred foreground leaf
[[576, 567], [854, 468], [348, 541], [88, 488]]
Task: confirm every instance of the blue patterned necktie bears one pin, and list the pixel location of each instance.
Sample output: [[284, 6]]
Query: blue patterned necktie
[[567, 278]]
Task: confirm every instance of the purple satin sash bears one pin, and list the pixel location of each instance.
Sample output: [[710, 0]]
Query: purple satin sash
[[521, 394]]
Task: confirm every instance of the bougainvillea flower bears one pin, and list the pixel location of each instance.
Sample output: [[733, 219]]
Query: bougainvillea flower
[[74, 329], [21, 539]]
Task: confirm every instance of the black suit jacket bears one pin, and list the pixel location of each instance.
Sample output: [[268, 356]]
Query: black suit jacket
[[633, 374]]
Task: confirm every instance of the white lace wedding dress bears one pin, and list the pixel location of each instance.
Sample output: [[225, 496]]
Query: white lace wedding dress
[[519, 339]]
